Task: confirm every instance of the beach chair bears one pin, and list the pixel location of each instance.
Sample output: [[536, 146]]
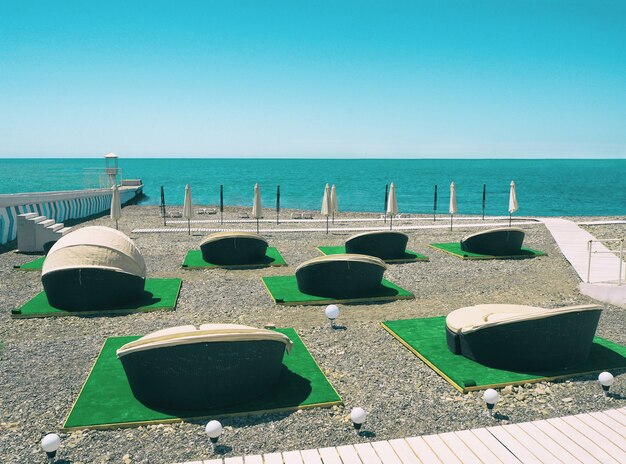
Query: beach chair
[[234, 248], [382, 244], [93, 268], [341, 276], [503, 241], [215, 365], [527, 338]]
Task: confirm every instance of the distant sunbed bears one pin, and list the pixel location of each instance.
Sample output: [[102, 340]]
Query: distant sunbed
[[341, 276], [502, 241]]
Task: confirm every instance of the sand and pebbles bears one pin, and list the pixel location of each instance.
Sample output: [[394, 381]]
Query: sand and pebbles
[[45, 362]]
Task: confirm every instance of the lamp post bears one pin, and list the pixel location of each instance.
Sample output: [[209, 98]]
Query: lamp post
[[332, 313], [357, 416], [491, 397], [606, 379], [213, 429], [50, 444]]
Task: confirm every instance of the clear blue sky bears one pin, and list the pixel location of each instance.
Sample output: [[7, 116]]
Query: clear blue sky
[[437, 78]]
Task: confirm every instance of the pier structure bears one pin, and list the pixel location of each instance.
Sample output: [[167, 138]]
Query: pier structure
[[60, 206]]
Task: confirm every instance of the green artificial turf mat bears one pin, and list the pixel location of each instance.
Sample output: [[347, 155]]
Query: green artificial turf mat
[[159, 294], [427, 339], [106, 399], [194, 260], [284, 290], [34, 265], [454, 248], [409, 256]]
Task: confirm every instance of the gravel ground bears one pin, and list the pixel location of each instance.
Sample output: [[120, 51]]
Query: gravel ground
[[45, 362]]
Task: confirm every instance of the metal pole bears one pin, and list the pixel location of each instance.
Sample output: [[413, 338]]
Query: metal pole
[[484, 198], [188, 227], [221, 204], [277, 203], [386, 198], [451, 216], [391, 222], [621, 254], [510, 218], [589, 260], [163, 205], [435, 205], [257, 225], [326, 224]]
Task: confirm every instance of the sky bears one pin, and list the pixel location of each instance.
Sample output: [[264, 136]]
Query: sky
[[414, 79]]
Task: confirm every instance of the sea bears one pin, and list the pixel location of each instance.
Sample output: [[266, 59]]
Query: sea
[[545, 187]]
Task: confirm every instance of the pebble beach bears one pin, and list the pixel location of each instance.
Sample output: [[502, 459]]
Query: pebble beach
[[45, 362]]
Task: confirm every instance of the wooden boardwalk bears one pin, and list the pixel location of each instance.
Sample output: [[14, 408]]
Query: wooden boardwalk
[[572, 240], [593, 438]]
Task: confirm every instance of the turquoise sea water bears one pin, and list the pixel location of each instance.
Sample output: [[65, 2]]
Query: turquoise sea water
[[544, 187]]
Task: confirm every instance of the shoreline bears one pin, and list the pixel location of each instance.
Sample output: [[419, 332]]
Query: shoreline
[[46, 361]]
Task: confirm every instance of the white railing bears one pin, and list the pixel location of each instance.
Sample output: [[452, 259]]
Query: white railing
[[621, 255]]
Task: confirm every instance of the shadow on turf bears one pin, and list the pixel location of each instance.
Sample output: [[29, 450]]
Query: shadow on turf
[[290, 385]]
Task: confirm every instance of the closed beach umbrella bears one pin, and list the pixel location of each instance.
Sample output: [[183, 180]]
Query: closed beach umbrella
[[257, 209], [452, 202], [327, 207], [512, 202], [188, 208], [392, 204], [333, 201], [116, 205]]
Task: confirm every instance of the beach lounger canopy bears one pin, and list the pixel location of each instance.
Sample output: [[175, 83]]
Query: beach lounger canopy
[[233, 248], [93, 268], [503, 241], [341, 276], [214, 365], [382, 244], [523, 338]]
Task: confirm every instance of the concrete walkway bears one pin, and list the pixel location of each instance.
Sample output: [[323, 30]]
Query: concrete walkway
[[600, 279], [594, 438]]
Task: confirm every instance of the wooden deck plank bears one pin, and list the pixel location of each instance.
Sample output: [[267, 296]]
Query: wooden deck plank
[[404, 451], [329, 455], [386, 453], [440, 448], [617, 415], [610, 422], [494, 445], [480, 449], [273, 458], [547, 442], [459, 448], [292, 457], [348, 454], [599, 439], [534, 444], [589, 445], [367, 454], [604, 429], [422, 450], [234, 460], [213, 461], [311, 456], [515, 446], [253, 459], [566, 442]]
